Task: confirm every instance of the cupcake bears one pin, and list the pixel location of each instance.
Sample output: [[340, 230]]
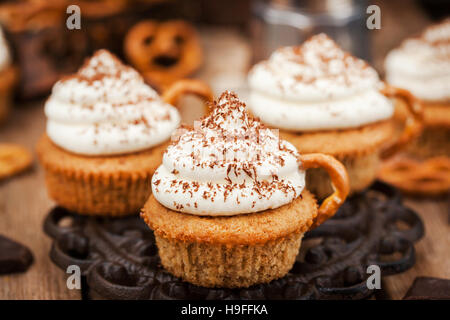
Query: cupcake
[[8, 78], [326, 100], [229, 205], [105, 136], [422, 66]]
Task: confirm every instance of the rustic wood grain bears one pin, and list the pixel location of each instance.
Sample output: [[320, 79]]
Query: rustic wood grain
[[24, 202], [432, 251], [23, 206], [401, 19]]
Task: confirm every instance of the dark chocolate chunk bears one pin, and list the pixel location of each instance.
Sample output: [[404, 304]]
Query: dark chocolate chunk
[[427, 288], [14, 257]]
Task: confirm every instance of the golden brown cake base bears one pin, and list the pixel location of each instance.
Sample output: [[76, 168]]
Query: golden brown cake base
[[8, 79], [210, 265], [362, 171], [424, 168], [435, 138], [433, 142], [358, 150], [110, 186], [437, 114], [230, 252]]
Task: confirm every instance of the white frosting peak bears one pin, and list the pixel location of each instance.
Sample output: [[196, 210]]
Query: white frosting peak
[[422, 64], [316, 86], [316, 70], [228, 164], [106, 108], [5, 56]]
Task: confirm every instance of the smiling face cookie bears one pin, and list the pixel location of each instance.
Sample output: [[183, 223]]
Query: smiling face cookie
[[163, 52]]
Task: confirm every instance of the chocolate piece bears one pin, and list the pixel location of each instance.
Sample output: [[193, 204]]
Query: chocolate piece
[[119, 257], [427, 288], [14, 257]]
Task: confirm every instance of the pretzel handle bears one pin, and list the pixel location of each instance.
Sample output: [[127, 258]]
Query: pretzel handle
[[339, 179], [413, 123], [181, 87]]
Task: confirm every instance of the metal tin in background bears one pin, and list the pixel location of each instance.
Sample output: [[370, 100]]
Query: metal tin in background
[[277, 23]]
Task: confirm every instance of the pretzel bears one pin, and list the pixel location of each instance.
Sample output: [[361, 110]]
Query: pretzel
[[163, 52], [428, 178], [414, 122], [13, 159], [188, 86], [339, 179]]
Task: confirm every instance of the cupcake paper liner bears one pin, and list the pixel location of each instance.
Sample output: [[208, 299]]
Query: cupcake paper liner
[[98, 195], [229, 266], [109, 186], [232, 251]]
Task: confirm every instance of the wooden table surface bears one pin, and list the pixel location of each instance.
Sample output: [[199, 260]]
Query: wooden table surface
[[23, 206], [24, 202]]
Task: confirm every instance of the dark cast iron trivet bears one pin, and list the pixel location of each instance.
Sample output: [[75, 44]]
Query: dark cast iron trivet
[[119, 258]]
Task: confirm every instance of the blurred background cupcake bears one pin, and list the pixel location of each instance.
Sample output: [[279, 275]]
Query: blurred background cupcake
[[8, 77], [421, 65]]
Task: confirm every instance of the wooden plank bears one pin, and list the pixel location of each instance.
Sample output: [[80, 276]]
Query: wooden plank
[[23, 206], [24, 202], [402, 19], [432, 251]]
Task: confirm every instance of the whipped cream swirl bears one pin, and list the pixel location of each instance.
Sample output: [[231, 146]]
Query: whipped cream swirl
[[5, 56], [422, 64], [316, 86], [106, 108], [228, 164]]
